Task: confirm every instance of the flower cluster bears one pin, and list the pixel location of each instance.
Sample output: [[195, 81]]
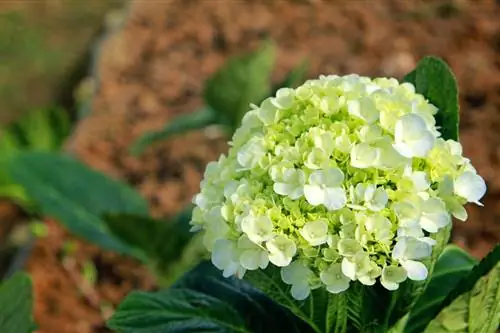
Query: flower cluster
[[342, 179]]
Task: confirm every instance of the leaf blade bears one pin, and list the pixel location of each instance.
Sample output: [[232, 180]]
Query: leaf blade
[[181, 124], [207, 303], [434, 79], [78, 202], [239, 82], [457, 300], [16, 303]]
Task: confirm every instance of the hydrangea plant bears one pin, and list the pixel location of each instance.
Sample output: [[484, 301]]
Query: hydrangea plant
[[330, 213], [343, 179]]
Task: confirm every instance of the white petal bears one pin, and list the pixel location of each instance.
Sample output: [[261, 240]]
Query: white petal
[[316, 232], [434, 222], [334, 198], [415, 269], [296, 193], [279, 259], [349, 269], [423, 145], [412, 126], [366, 280], [314, 194], [380, 199], [470, 186], [403, 149], [283, 188], [295, 273], [389, 285], [428, 224], [399, 249], [222, 253], [264, 260], [338, 287], [250, 259], [364, 156], [318, 178], [230, 269], [459, 212], [333, 177], [300, 291], [420, 181]]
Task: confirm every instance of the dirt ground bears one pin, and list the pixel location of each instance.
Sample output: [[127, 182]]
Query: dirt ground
[[153, 70], [43, 47]]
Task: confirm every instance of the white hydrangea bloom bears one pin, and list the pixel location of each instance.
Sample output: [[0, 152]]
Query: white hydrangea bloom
[[343, 179]]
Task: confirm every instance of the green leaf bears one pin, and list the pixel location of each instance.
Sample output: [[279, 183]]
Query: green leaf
[[176, 310], [240, 81], [163, 242], [452, 265], [77, 196], [473, 305], [435, 80], [294, 78], [16, 303], [324, 312], [204, 301], [367, 307], [179, 125], [43, 129]]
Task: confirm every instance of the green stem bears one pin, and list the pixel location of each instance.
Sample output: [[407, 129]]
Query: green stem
[[181, 124]]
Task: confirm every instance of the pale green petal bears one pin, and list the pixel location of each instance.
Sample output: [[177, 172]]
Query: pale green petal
[[416, 270], [470, 186], [334, 198], [314, 194]]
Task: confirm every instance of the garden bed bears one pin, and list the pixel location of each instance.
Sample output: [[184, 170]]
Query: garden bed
[[153, 69]]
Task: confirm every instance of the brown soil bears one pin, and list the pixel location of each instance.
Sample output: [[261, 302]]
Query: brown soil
[[153, 70]]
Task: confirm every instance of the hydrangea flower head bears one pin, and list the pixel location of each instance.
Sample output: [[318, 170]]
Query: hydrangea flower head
[[343, 179]]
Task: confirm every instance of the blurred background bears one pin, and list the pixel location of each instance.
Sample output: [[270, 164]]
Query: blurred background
[[121, 68]]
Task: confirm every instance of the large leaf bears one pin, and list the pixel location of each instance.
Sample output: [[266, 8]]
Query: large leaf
[[368, 308], [181, 124], [204, 301], [452, 265], [16, 303], [434, 79], [163, 242], [323, 311], [241, 81], [77, 196], [44, 130], [473, 305]]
